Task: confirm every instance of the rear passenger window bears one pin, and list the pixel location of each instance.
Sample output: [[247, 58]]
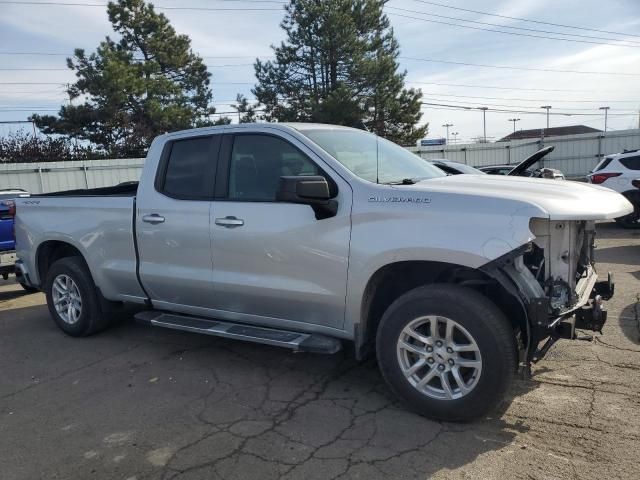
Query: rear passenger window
[[190, 168], [258, 162], [632, 163]]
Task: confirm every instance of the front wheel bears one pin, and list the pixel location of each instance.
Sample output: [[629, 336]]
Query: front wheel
[[447, 351]]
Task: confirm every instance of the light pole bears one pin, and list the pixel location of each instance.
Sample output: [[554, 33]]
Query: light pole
[[447, 125], [606, 114], [455, 136], [514, 120], [484, 122], [547, 108]]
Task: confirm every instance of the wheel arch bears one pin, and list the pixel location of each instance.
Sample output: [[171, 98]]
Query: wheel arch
[[49, 252], [395, 279]]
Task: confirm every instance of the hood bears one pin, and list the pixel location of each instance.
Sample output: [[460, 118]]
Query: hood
[[558, 200], [531, 160]]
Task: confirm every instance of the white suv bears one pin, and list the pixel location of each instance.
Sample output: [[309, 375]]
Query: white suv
[[617, 172]]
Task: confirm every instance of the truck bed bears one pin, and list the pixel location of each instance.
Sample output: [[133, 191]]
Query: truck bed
[[98, 222]]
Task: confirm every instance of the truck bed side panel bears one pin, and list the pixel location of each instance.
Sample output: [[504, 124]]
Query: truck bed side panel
[[101, 228]]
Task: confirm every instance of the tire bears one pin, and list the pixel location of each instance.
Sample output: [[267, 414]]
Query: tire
[[28, 289], [89, 318], [478, 325], [631, 221], [624, 222]]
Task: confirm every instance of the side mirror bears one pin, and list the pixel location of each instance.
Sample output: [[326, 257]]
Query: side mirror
[[303, 189], [310, 190]]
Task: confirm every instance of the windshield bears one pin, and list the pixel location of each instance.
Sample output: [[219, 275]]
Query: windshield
[[373, 158]]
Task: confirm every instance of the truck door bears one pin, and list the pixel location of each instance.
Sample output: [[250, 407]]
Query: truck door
[[274, 262], [172, 225]]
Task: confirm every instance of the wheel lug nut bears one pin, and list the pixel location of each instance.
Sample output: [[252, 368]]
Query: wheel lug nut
[[451, 362], [449, 350], [441, 367], [430, 360], [429, 349], [438, 343]]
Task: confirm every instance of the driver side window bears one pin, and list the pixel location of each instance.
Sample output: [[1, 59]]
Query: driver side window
[[258, 162]]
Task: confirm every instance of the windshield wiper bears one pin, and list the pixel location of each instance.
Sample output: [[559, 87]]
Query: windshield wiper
[[404, 181]]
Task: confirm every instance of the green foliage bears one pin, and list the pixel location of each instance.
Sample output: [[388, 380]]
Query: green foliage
[[246, 112], [23, 147], [339, 65], [147, 83]]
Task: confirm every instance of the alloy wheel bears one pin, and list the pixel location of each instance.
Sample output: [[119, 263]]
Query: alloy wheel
[[439, 357]]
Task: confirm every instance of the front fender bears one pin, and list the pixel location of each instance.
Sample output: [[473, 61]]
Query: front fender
[[397, 233]]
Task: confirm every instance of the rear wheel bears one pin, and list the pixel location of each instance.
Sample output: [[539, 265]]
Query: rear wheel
[[72, 298], [447, 351]]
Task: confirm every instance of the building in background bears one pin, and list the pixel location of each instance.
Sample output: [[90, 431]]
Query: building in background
[[549, 132]]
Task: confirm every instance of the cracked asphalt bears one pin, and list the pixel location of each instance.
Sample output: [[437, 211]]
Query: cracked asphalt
[[138, 402]]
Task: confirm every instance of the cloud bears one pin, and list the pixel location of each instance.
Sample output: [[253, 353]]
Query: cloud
[[54, 26]]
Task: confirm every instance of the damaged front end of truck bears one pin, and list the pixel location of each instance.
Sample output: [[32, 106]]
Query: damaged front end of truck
[[554, 277]]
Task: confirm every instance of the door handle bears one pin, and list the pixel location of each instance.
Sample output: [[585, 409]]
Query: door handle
[[229, 222], [154, 218]]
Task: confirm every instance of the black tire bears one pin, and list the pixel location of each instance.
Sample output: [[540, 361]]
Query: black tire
[[481, 318], [28, 289], [92, 318], [631, 221], [624, 222]]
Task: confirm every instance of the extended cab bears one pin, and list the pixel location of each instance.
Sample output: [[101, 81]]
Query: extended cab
[[305, 236]]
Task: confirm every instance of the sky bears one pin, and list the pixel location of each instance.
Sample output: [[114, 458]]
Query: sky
[[533, 71]]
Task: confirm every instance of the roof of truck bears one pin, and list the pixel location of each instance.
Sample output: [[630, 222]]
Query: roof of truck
[[275, 126], [315, 126]]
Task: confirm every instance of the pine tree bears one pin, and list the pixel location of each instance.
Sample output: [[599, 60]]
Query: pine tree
[[339, 65], [246, 112], [147, 83]]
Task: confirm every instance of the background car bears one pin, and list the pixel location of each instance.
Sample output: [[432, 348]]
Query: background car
[[7, 242], [11, 193], [523, 169], [618, 172], [633, 219], [503, 170], [455, 168], [551, 173]]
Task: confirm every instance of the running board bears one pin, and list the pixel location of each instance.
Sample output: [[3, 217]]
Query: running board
[[300, 342]]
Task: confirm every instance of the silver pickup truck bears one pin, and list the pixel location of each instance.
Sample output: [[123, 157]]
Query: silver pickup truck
[[307, 236]]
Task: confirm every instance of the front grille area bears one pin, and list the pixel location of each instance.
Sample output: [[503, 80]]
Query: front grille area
[[561, 256]]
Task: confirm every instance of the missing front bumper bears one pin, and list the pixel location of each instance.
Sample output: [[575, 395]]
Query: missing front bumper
[[588, 315]]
